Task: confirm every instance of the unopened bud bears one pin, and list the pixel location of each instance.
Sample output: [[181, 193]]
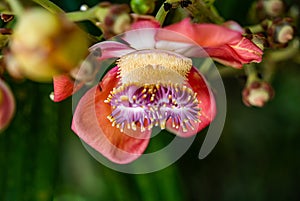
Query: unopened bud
[[273, 8], [284, 33], [142, 6], [45, 45], [7, 105], [266, 9], [113, 19], [257, 94], [279, 32]]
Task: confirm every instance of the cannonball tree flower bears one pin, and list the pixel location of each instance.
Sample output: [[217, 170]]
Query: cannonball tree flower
[[225, 44], [7, 105], [153, 83]]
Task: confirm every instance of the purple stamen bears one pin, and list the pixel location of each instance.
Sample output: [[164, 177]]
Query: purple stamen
[[151, 105]]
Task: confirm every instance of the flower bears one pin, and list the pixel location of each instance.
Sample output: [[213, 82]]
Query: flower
[[7, 105], [150, 86], [154, 83]]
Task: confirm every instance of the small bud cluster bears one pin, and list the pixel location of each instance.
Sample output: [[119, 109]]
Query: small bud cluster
[[279, 32], [116, 19], [277, 26], [267, 9], [257, 94]]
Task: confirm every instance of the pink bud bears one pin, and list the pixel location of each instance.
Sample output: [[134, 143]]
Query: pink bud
[[7, 105], [257, 94]]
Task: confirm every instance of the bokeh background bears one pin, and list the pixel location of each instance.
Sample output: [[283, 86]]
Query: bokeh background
[[257, 157]]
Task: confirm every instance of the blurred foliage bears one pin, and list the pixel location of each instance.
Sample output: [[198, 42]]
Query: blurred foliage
[[257, 157]]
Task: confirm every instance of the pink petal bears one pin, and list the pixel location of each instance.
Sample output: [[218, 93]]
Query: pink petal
[[205, 34], [142, 24], [236, 55], [141, 39], [64, 86], [90, 123], [227, 46], [233, 25], [206, 102], [248, 51], [110, 49], [7, 105]]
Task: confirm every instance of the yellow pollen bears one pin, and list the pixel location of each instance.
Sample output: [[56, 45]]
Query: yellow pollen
[[124, 98], [152, 66]]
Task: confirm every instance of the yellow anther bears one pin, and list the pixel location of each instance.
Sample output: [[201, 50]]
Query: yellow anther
[[163, 124], [124, 98]]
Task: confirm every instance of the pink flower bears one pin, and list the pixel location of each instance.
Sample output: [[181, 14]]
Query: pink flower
[[152, 84], [225, 45], [7, 105]]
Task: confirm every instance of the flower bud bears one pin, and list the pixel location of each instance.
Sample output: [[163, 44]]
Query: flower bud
[[7, 105], [280, 32], [273, 8], [266, 9], [142, 6], [45, 45], [257, 94], [114, 19]]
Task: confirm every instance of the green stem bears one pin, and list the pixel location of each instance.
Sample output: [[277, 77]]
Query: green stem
[[161, 14], [251, 72], [15, 6], [286, 53], [89, 14], [53, 8], [202, 13], [256, 28], [78, 16], [50, 6]]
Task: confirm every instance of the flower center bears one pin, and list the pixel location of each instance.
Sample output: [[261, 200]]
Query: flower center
[[152, 66], [153, 105]]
